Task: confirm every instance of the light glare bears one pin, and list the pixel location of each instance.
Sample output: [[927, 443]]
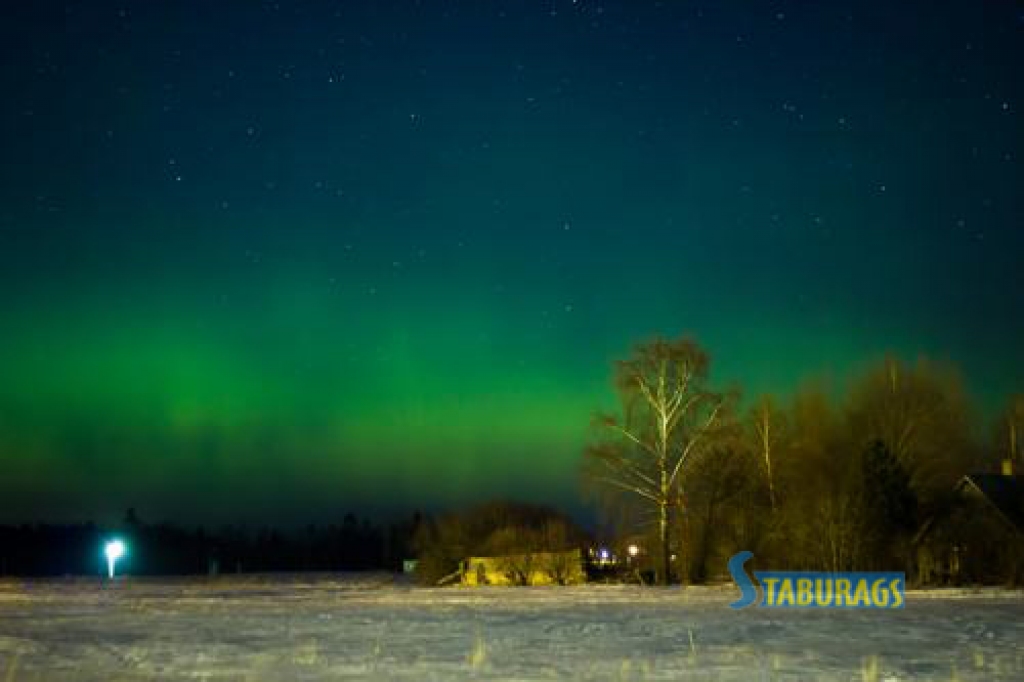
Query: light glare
[[115, 549]]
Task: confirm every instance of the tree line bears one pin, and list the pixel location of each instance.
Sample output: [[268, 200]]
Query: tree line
[[166, 549], [815, 482]]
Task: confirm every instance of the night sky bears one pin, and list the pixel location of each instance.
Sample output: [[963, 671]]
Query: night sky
[[275, 261]]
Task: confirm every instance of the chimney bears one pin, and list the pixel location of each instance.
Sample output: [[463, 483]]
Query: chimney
[[1007, 466]]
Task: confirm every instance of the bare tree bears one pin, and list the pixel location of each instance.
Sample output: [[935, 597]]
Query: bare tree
[[1013, 423], [716, 493], [817, 523], [515, 551], [920, 413], [667, 416], [768, 424]]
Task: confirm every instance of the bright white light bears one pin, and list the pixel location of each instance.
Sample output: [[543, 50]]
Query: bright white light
[[633, 550], [115, 549], [604, 554]]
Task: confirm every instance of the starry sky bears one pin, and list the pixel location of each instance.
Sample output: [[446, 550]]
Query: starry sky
[[272, 261]]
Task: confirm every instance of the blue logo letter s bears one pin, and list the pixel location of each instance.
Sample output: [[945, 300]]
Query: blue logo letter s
[[748, 592]]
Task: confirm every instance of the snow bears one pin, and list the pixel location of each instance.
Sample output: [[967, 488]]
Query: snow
[[337, 627]]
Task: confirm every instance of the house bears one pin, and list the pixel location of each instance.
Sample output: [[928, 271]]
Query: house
[[978, 537], [537, 568]]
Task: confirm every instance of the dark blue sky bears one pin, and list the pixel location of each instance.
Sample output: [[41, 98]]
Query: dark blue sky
[[304, 252]]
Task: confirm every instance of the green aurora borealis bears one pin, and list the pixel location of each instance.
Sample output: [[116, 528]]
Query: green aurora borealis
[[266, 263]]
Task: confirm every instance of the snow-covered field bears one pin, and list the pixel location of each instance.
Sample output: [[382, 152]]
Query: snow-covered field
[[365, 627]]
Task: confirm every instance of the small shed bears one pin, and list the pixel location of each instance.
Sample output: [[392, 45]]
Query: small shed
[[536, 568]]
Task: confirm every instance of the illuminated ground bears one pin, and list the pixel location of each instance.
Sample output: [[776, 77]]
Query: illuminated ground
[[337, 627]]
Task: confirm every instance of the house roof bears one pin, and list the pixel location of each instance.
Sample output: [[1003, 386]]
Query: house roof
[[1005, 493]]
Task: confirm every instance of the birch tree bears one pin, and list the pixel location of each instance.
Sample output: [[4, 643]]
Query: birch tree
[[768, 425], [667, 415]]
